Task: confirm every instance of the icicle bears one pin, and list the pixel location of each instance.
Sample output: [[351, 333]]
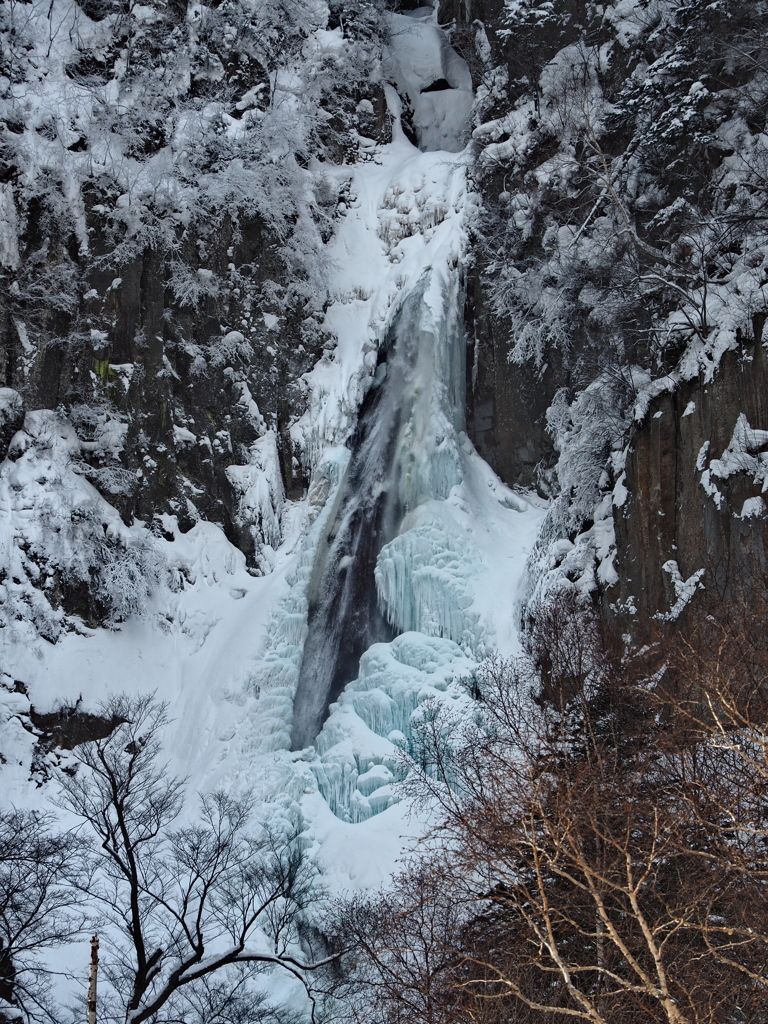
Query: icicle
[[423, 581], [359, 748]]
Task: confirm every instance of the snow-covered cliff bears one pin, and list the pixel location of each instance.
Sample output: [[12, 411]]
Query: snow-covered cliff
[[333, 338]]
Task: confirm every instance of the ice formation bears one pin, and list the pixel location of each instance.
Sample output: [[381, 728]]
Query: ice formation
[[361, 744], [424, 579], [435, 79], [405, 450], [274, 679]]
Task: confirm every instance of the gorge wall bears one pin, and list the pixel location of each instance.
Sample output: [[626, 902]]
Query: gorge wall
[[695, 476], [172, 178], [620, 155]]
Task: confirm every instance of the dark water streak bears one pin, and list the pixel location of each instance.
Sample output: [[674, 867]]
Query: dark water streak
[[344, 615]]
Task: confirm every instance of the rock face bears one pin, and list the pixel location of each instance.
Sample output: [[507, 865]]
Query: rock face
[[602, 220], [507, 402], [507, 399], [161, 258], [163, 278], [695, 476], [190, 385]]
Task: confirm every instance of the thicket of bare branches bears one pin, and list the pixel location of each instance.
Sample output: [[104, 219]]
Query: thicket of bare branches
[[39, 909], [601, 846], [193, 908], [192, 912], [598, 852]]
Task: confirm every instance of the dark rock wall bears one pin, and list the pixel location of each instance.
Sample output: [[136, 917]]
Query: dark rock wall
[[128, 343], [669, 515], [180, 370], [506, 401]]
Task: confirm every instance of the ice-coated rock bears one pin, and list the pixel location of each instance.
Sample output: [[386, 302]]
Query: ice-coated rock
[[419, 58]]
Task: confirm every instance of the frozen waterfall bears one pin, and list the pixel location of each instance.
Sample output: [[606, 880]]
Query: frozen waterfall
[[404, 453], [344, 618], [405, 450]]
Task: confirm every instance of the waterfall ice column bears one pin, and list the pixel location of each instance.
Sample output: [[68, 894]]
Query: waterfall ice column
[[405, 450], [344, 619], [403, 453]]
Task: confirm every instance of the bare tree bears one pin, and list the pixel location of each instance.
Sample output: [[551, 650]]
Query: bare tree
[[715, 689], [39, 909], [599, 853], [411, 934], [196, 910]]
